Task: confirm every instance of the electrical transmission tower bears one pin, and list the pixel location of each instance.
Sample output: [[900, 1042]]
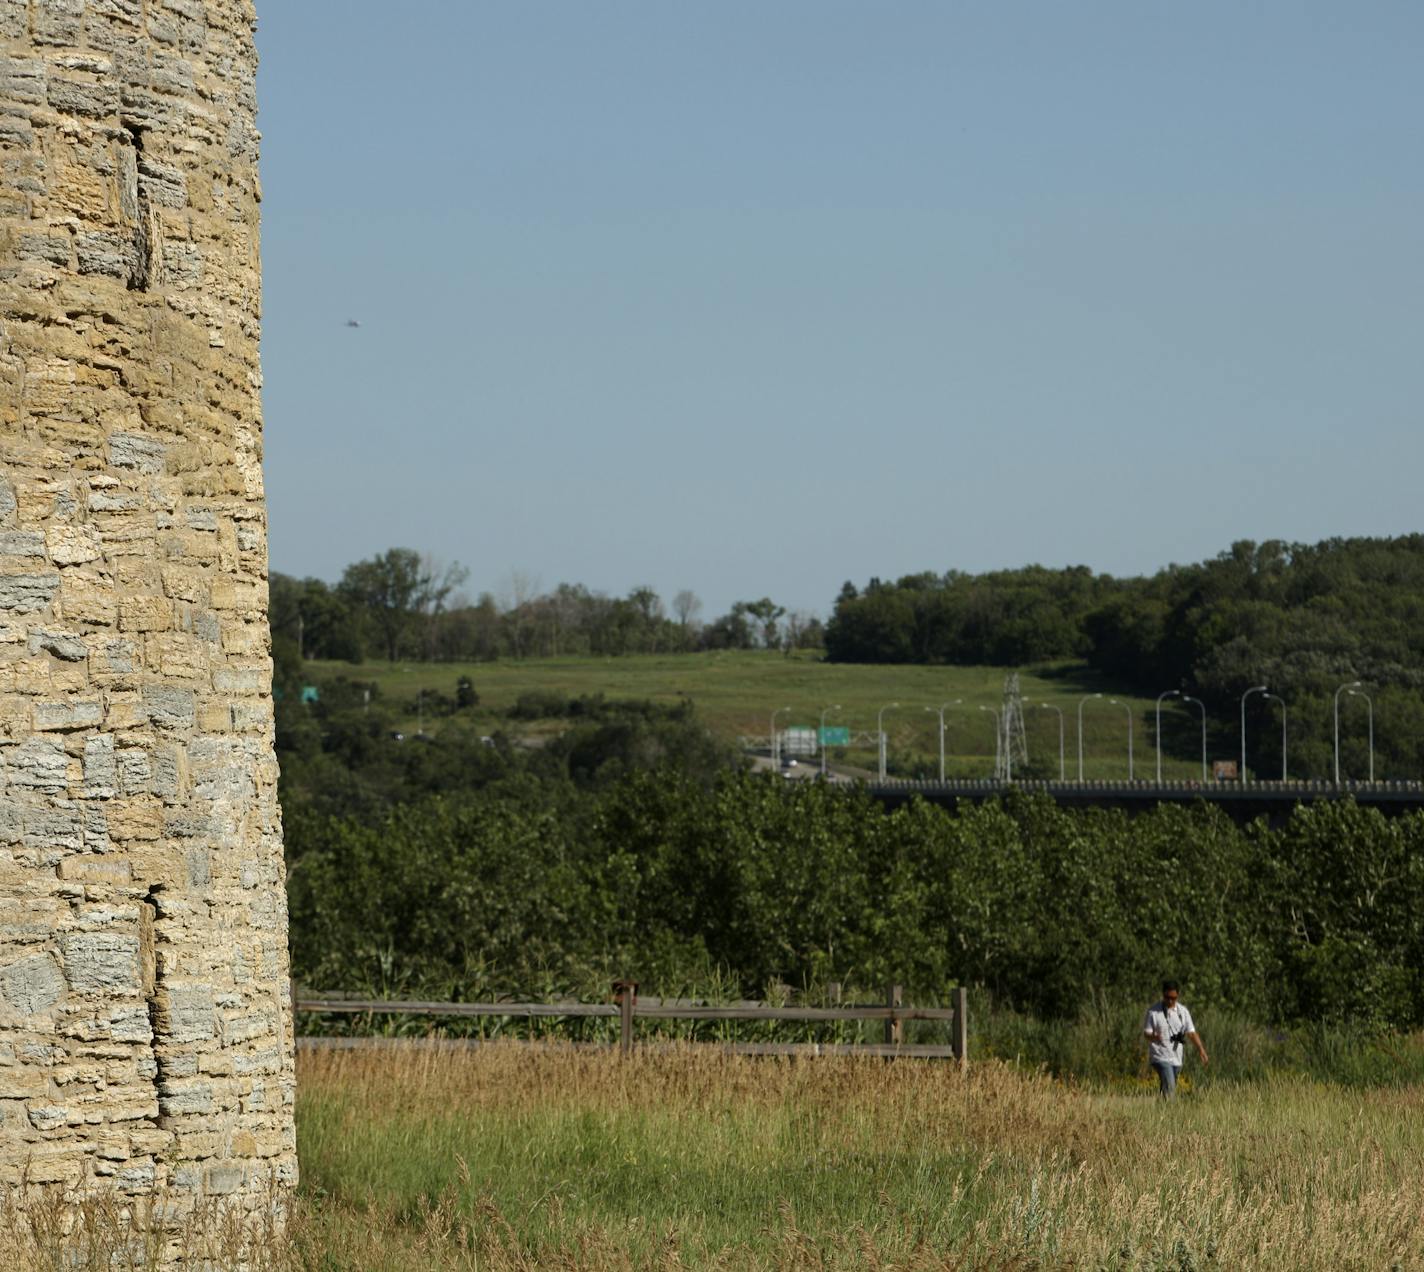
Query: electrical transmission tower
[[1013, 744]]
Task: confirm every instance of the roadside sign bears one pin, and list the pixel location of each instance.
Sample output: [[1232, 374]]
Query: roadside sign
[[1224, 770], [835, 735], [798, 741]]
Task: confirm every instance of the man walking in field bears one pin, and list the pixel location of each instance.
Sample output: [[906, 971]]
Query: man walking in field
[[1167, 1024]]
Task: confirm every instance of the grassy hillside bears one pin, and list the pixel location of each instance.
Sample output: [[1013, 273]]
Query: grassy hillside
[[735, 693]]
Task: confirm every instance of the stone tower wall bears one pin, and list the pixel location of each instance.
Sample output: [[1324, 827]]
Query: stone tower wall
[[145, 1019]]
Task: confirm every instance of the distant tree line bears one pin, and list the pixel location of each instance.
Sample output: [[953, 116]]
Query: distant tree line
[[1304, 619], [404, 605]]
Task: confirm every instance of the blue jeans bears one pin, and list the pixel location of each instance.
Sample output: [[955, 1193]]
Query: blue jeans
[[1167, 1076]]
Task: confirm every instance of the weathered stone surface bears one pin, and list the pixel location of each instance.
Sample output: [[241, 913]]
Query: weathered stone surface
[[66, 645], [40, 763], [70, 714], [25, 593], [98, 962], [31, 984], [145, 1032], [186, 1013], [22, 543]]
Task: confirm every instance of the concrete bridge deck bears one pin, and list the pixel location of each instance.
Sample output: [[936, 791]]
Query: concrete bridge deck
[[1245, 800]]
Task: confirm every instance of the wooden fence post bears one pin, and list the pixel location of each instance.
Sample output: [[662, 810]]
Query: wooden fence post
[[894, 1029], [625, 994], [961, 1027]]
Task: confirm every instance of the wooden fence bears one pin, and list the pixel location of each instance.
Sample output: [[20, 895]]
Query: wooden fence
[[627, 1008]]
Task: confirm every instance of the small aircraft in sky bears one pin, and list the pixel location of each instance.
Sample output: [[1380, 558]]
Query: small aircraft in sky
[[351, 322]]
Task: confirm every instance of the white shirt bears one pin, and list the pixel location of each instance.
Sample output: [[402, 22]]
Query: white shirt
[[1165, 1023]]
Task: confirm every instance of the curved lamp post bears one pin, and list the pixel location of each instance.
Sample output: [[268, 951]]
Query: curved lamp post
[[1062, 767], [775, 746], [1169, 693], [880, 731], [1352, 685], [1244, 696], [939, 711], [1275, 697], [1202, 705], [821, 736], [1125, 707], [998, 743], [1087, 697], [1370, 703]]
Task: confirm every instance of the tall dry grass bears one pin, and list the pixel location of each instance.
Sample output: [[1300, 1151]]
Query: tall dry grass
[[418, 1158], [506, 1157]]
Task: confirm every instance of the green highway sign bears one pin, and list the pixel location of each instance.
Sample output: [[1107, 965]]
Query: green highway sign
[[835, 735]]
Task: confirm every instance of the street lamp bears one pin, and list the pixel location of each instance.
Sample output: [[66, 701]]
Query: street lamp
[[1354, 684], [999, 746], [1276, 697], [1202, 705], [1082, 700], [1062, 767], [775, 748], [953, 702], [1244, 696], [1125, 707], [821, 736], [1170, 693], [880, 730], [1370, 703]]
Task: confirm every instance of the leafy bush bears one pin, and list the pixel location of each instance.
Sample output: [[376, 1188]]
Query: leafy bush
[[677, 879]]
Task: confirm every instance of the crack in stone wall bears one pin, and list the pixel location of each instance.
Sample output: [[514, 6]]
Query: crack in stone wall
[[145, 1035]]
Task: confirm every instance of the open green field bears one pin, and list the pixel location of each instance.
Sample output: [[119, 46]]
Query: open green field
[[736, 691]]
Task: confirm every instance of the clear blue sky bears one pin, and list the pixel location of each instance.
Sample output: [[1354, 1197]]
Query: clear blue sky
[[755, 298]]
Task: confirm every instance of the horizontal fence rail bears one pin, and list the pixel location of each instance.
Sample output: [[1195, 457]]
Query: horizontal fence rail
[[627, 1008]]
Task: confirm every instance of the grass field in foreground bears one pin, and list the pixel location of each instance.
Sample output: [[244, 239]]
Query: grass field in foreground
[[735, 692], [689, 1159]]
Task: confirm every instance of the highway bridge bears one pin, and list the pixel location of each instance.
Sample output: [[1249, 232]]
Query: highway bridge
[[1243, 800]]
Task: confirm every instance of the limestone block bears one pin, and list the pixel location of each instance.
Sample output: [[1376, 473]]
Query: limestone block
[[25, 675], [14, 19], [135, 821], [26, 593], [136, 452], [240, 680], [57, 827], [101, 775], [168, 706], [22, 543], [117, 871], [46, 1117], [67, 715], [179, 1098], [185, 1014], [73, 545], [144, 614], [179, 656], [31, 985], [101, 962], [87, 599], [57, 21], [69, 646], [38, 763]]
